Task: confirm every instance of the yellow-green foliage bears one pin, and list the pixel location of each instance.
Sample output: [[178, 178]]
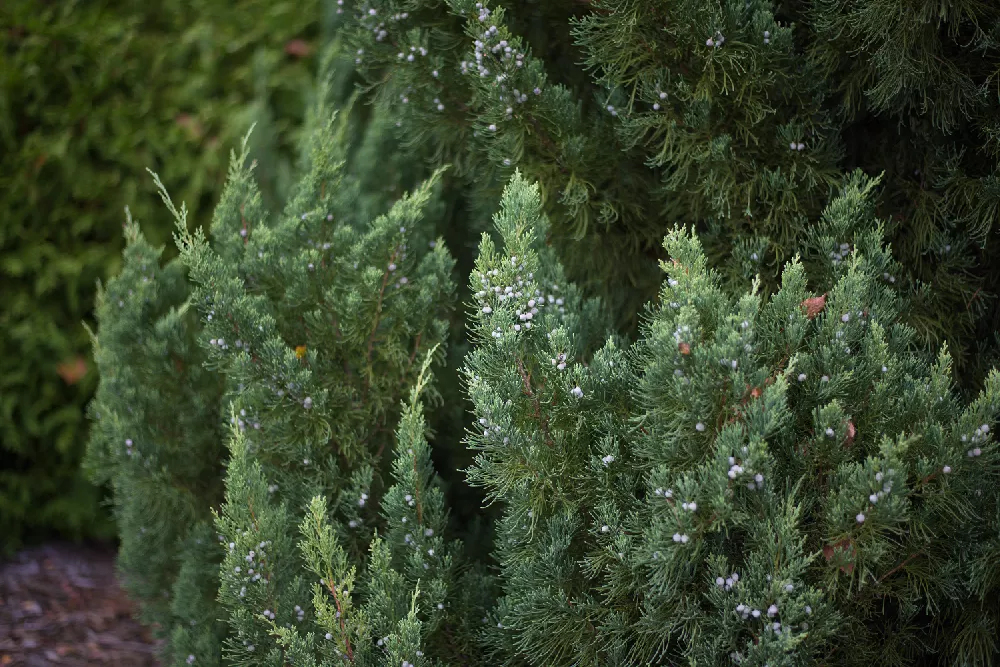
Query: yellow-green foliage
[[92, 94]]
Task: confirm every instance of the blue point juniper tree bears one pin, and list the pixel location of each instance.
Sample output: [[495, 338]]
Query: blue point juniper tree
[[738, 118], [314, 326], [319, 328], [758, 480], [775, 475], [318, 604], [157, 440]]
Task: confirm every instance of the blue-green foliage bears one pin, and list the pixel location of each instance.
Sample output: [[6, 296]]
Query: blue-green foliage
[[156, 441], [736, 118], [315, 323], [756, 480], [773, 472]]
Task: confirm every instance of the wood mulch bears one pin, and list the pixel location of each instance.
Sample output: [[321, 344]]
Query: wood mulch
[[61, 605]]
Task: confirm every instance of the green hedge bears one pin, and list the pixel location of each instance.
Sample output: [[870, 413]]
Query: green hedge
[[93, 93]]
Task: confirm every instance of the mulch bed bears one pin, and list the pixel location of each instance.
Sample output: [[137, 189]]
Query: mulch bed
[[61, 605]]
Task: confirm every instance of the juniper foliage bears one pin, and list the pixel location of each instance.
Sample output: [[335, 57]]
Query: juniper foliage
[[773, 472], [757, 480], [314, 323], [157, 442], [780, 479], [738, 119]]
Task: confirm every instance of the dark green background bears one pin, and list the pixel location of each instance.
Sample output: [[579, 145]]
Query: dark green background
[[93, 93]]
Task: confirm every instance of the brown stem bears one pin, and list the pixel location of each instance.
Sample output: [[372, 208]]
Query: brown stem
[[378, 317], [416, 492], [542, 420], [413, 355], [340, 616], [898, 567]]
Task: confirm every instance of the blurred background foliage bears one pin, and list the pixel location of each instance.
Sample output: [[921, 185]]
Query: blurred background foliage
[[92, 94]]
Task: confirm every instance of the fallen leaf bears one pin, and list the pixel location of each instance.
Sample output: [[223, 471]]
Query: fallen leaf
[[851, 432], [684, 348], [300, 351]]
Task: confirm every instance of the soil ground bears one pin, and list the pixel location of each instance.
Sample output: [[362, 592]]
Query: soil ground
[[60, 604]]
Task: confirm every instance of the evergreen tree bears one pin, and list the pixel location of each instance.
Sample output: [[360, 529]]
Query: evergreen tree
[[736, 118], [157, 441], [314, 323], [385, 609], [774, 472], [758, 480], [778, 479]]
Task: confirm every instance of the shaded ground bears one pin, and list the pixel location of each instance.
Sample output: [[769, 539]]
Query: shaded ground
[[60, 605]]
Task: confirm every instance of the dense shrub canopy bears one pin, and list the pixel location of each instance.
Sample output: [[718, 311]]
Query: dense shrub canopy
[[755, 450]]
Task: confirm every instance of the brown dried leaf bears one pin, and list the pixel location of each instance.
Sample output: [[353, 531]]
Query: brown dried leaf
[[814, 306], [298, 48], [73, 370], [191, 124], [845, 545]]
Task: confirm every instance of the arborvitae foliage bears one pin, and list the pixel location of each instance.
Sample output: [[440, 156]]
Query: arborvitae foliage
[[758, 480], [91, 93], [736, 118]]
